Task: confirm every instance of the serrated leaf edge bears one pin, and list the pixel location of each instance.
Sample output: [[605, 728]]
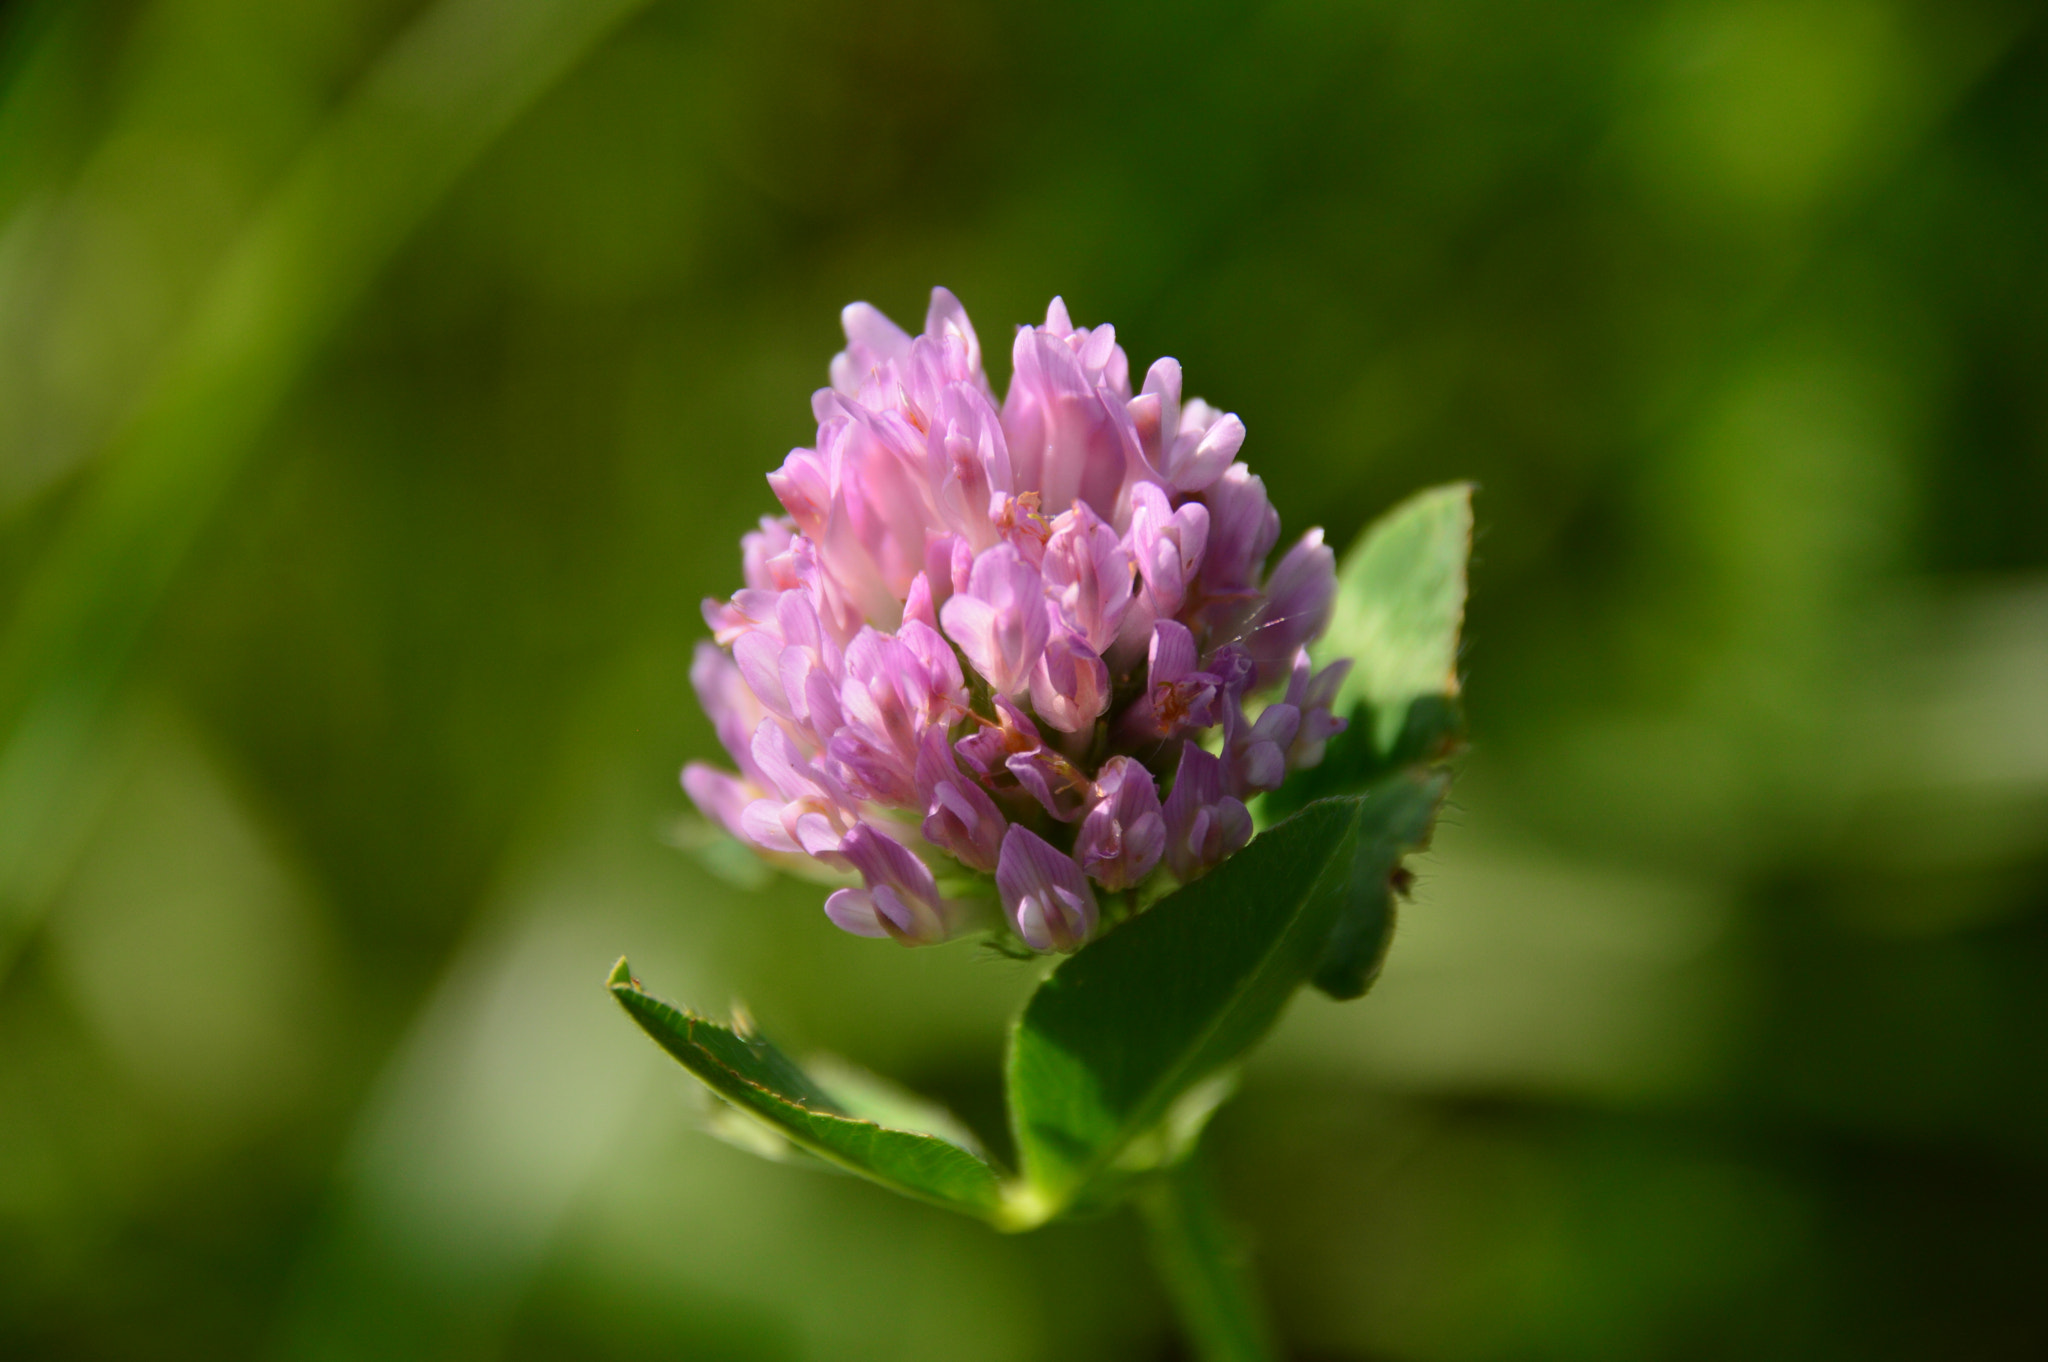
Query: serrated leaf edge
[[1017, 1207]]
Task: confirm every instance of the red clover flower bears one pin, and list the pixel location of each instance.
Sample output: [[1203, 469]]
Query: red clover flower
[[981, 639]]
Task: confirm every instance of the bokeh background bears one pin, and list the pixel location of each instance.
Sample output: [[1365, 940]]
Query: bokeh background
[[382, 384]]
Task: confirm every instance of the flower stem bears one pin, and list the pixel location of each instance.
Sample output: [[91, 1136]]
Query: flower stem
[[1202, 1262]]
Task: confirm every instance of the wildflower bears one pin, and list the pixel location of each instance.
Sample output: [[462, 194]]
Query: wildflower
[[1026, 640]]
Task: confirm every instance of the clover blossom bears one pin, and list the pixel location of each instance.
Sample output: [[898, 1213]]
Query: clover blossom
[[1025, 641]]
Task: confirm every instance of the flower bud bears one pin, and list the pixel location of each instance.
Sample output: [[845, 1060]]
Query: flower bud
[[1070, 686], [1203, 824], [959, 816], [1044, 893], [999, 621], [1299, 597], [1088, 576], [1124, 834], [1312, 693], [898, 896]]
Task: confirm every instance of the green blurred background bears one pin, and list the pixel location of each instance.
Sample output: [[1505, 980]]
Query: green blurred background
[[383, 384]]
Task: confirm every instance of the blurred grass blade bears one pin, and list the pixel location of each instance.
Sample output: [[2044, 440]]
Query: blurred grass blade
[[759, 1079], [1130, 1023], [433, 102], [1400, 605]]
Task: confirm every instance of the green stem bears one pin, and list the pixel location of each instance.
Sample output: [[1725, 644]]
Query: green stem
[[1203, 1264]]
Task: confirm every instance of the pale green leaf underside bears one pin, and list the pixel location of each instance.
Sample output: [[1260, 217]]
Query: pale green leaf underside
[[1400, 605], [760, 1080], [1125, 1027]]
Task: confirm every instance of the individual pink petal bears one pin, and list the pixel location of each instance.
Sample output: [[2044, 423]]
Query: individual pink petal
[[1070, 437], [871, 340], [1243, 527], [1299, 596], [765, 554], [1255, 751], [758, 655], [999, 621], [1124, 834], [1203, 823], [854, 910], [1070, 685], [918, 604], [1200, 457], [1155, 411], [1313, 693], [959, 815], [1166, 544], [1088, 574], [735, 712], [898, 894], [968, 464], [1044, 893], [719, 795], [947, 318], [1177, 696]]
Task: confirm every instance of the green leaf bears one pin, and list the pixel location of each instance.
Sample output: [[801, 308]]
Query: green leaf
[[1400, 604], [1128, 1025], [1432, 730], [758, 1079], [871, 1097], [1356, 947]]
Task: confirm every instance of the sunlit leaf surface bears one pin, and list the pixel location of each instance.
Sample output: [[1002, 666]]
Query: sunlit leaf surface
[[1400, 604]]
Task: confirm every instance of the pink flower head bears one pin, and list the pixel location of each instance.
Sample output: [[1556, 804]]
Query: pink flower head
[[980, 630]]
